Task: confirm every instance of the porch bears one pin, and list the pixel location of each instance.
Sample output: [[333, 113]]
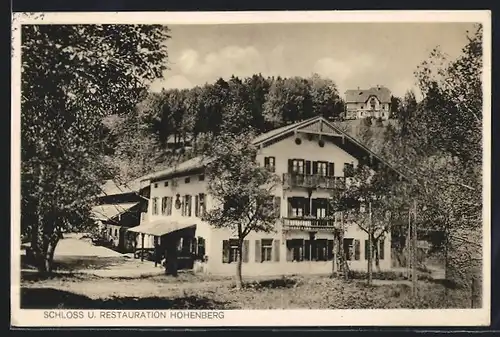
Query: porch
[[173, 241]]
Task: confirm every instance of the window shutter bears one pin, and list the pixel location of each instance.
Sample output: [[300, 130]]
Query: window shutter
[[357, 252], [183, 207], [290, 206], [307, 206], [200, 251], [196, 206], [331, 169], [225, 251], [258, 253], [315, 167], [330, 250], [366, 250], [277, 206], [314, 206], [194, 246], [245, 249], [276, 250], [190, 205], [290, 165], [307, 250], [382, 250], [301, 250], [289, 251], [308, 167]]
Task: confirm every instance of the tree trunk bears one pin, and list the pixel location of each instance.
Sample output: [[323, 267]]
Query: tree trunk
[[414, 275], [370, 255], [239, 279], [343, 260]]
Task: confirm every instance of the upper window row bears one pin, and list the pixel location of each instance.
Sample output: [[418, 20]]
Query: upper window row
[[187, 180], [301, 166]]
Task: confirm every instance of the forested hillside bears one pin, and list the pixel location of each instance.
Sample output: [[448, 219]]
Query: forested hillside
[[153, 136]]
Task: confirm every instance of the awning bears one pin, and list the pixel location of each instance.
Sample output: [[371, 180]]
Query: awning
[[108, 212], [160, 227]]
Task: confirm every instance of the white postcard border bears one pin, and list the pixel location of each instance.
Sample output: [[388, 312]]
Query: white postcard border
[[380, 317]]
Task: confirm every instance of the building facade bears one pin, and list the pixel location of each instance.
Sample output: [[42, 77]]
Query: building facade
[[374, 102], [310, 157], [119, 207]]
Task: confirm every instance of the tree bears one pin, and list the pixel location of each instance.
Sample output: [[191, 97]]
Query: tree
[[364, 131], [369, 201], [242, 190], [395, 102], [72, 77], [325, 97], [452, 114]]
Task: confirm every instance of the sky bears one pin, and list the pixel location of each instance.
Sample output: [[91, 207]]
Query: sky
[[351, 54]]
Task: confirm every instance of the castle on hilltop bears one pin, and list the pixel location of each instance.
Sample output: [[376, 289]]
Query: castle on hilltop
[[374, 102]]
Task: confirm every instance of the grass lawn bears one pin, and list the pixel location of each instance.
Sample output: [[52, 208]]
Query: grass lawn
[[190, 291]]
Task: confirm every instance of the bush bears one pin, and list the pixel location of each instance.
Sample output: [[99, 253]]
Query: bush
[[379, 122], [367, 121]]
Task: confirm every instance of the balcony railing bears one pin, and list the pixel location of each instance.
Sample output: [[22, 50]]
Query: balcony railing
[[313, 181], [310, 224]]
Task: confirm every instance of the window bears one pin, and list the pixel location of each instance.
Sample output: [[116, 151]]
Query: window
[[155, 206], [164, 203], [322, 168], [266, 249], [155, 185], [200, 205], [116, 232], [110, 231], [165, 183], [230, 251], [381, 249], [297, 207], [320, 207], [373, 103], [352, 249], [270, 163], [295, 250], [201, 177], [187, 180], [186, 209], [169, 206], [296, 166], [321, 250]]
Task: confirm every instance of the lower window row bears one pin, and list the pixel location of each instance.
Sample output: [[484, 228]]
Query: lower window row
[[297, 250]]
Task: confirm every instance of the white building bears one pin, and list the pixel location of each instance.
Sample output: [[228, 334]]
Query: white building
[[310, 156], [374, 102]]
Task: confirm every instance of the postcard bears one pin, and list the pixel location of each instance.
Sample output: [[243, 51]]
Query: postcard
[[218, 169]]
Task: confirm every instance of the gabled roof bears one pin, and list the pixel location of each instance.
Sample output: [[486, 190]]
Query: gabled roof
[[187, 166], [311, 125], [361, 96], [109, 212], [111, 187]]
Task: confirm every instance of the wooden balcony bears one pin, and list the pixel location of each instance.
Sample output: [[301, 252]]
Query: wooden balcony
[[312, 181], [310, 224]]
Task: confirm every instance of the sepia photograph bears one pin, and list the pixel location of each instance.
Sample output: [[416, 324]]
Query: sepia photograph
[[183, 170]]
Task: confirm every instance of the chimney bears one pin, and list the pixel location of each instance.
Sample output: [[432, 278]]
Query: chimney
[[378, 86], [358, 88]]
